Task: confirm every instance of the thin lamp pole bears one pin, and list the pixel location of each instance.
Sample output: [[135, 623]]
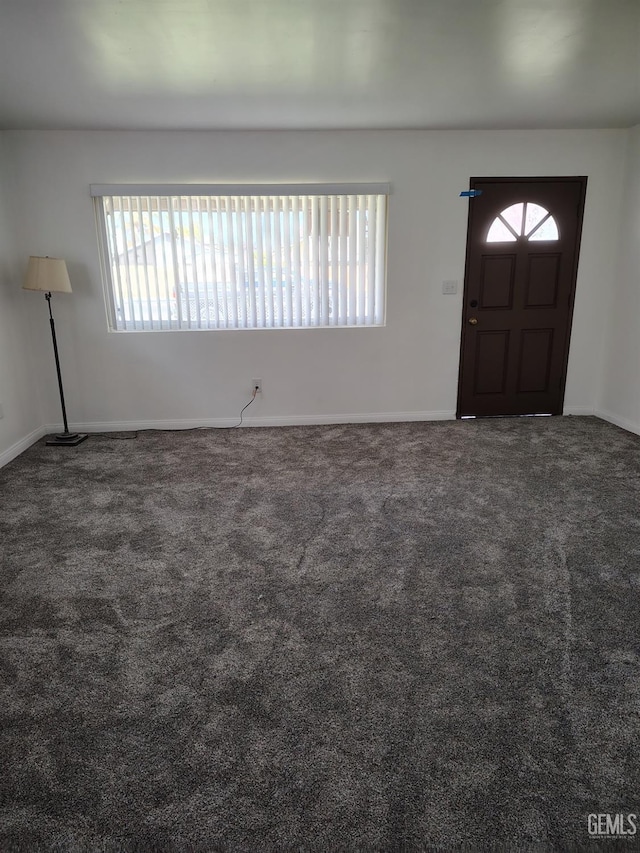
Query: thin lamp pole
[[71, 439], [47, 296]]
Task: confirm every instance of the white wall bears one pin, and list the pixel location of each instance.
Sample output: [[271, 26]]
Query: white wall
[[620, 397], [408, 368], [22, 417]]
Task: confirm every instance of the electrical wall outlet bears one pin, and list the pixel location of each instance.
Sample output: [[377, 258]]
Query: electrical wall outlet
[[449, 286], [256, 385]]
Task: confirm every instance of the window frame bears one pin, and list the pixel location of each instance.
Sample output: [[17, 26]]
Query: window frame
[[523, 235], [327, 190]]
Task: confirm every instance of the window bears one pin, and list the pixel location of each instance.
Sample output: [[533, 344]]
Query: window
[[229, 257], [524, 219]]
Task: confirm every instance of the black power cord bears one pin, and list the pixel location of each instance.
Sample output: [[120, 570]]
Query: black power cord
[[235, 426], [137, 432]]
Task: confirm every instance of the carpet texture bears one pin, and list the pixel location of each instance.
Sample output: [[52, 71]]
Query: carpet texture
[[364, 637]]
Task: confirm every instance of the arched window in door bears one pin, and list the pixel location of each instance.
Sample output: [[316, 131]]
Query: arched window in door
[[524, 219]]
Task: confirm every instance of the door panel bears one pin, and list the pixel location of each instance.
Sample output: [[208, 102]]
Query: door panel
[[542, 281], [522, 253], [536, 346], [492, 349], [496, 286]]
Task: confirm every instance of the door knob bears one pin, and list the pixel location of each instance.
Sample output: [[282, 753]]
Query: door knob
[[473, 321]]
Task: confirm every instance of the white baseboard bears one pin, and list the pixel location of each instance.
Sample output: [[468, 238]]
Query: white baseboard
[[578, 410], [20, 446], [280, 420], [624, 423], [366, 418], [630, 426]]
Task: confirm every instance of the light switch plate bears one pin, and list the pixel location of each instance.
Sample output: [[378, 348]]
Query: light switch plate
[[449, 287]]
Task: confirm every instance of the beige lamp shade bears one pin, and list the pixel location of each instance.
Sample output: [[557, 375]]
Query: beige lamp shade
[[47, 274]]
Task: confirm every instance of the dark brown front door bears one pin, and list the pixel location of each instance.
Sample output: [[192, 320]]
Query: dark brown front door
[[523, 241]]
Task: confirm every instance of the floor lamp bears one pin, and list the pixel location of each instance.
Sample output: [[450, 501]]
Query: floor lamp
[[49, 275]]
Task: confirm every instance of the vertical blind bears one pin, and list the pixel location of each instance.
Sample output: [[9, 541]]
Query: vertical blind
[[243, 261]]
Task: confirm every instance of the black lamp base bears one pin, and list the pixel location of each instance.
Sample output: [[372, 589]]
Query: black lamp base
[[66, 439]]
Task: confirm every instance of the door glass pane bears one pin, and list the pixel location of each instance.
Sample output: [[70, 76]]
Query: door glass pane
[[526, 219], [513, 215], [499, 233], [547, 231], [535, 213]]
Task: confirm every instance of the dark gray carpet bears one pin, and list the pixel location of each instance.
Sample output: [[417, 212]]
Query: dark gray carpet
[[379, 637]]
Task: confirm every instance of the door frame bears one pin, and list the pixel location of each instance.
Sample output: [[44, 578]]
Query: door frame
[[579, 179]]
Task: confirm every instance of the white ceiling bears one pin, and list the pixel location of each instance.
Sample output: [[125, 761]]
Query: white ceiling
[[262, 64]]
